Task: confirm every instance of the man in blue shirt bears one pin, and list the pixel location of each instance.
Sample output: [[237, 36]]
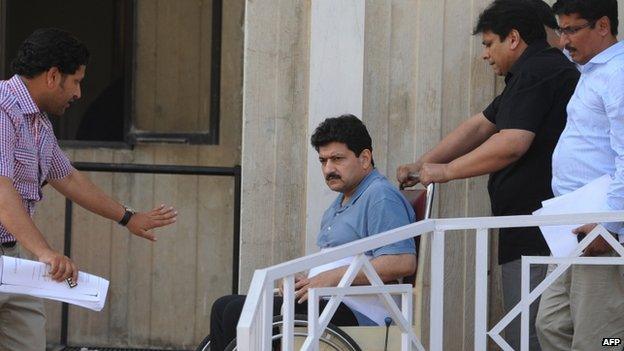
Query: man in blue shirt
[[586, 304], [367, 204]]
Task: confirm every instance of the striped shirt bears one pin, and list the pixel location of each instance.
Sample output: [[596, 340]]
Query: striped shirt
[[29, 151]]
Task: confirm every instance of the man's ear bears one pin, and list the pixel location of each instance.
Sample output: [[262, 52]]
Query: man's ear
[[514, 39], [53, 77], [366, 157], [604, 26]]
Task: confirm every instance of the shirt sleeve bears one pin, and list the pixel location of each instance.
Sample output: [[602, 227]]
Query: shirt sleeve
[[61, 166], [525, 104], [7, 145], [492, 109], [387, 214], [613, 98]]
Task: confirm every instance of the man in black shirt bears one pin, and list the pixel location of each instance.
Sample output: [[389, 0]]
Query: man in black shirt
[[512, 139]]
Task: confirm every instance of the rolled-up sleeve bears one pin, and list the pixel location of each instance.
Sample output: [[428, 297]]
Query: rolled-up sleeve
[[387, 214], [614, 107], [7, 145]]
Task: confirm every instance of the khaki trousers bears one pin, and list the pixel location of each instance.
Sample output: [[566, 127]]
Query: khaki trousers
[[583, 306], [22, 318]]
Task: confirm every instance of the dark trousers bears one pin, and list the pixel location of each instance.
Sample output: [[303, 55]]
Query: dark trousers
[[227, 310]]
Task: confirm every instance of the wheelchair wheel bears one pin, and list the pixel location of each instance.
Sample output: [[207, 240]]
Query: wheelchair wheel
[[204, 345], [332, 339]]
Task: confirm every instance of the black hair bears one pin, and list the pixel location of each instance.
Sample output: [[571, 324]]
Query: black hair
[[502, 16], [591, 10], [545, 13], [346, 129], [47, 48]]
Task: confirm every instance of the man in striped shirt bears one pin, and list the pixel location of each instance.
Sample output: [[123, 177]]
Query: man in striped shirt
[[49, 67]]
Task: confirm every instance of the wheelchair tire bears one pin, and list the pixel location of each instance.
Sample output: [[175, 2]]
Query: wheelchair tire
[[332, 337], [204, 345]]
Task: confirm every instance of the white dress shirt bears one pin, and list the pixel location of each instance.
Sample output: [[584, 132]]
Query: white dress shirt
[[592, 143]]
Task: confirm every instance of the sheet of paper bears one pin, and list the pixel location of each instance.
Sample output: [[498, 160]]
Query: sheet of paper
[[589, 198], [19, 276], [372, 306]]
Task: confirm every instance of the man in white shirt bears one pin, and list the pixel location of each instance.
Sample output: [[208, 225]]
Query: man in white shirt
[[587, 303]]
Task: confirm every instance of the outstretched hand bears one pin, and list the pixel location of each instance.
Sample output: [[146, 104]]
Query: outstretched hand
[[142, 223]]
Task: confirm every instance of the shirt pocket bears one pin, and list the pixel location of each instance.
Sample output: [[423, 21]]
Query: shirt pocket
[[26, 166]]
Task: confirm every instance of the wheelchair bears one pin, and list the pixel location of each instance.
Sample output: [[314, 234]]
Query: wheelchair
[[333, 337]]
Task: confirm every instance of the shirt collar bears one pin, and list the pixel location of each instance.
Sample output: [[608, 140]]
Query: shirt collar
[[607, 54], [25, 101], [364, 184], [531, 50]]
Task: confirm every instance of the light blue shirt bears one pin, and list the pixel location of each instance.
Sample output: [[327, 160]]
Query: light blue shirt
[[592, 143], [376, 206]]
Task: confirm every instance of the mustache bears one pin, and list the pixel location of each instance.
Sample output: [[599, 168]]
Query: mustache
[[570, 48], [332, 176]]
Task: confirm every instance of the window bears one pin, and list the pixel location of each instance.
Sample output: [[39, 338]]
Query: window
[[105, 27], [153, 74]]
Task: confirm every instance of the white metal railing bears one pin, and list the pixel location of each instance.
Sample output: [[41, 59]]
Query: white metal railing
[[563, 263], [255, 325]]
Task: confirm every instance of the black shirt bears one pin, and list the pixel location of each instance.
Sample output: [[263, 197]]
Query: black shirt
[[538, 88]]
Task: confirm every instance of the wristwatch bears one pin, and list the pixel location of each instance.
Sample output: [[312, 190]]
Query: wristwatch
[[127, 215]]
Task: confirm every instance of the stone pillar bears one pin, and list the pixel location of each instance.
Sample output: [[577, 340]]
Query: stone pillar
[[336, 87]]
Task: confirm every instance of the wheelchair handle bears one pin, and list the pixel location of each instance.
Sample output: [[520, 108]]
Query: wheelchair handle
[[429, 202], [412, 176]]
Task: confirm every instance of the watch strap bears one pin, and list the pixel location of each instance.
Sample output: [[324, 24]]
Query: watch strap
[[126, 217]]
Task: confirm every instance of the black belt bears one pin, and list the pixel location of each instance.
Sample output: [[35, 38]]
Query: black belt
[[9, 245]]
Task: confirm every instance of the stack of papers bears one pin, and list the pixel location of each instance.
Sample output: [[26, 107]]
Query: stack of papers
[[19, 276], [587, 199]]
